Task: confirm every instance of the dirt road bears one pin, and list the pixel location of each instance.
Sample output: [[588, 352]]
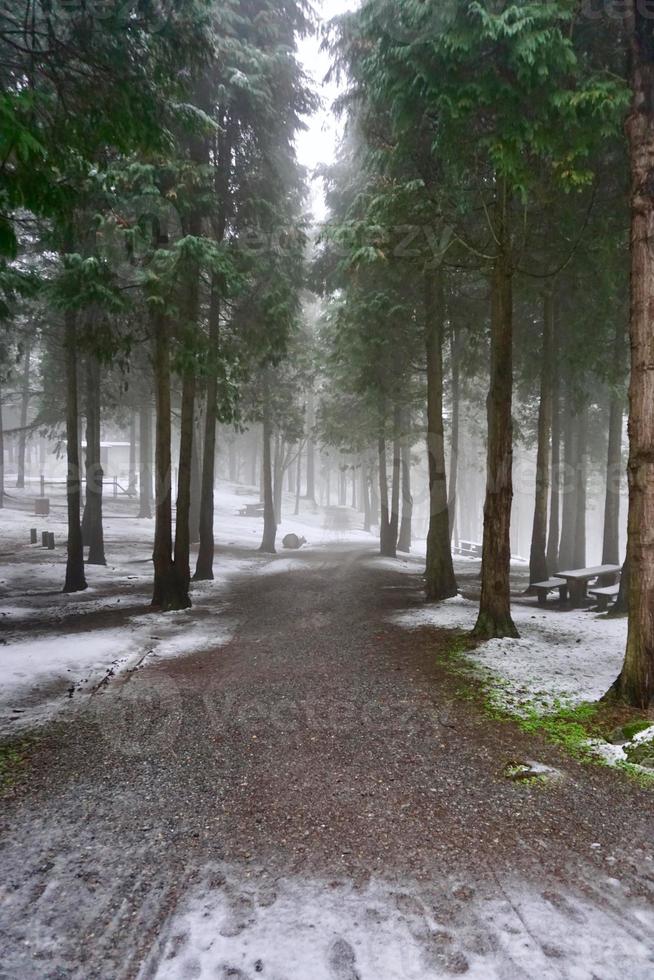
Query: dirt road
[[314, 799]]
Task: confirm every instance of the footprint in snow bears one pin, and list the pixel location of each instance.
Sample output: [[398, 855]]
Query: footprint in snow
[[342, 961]]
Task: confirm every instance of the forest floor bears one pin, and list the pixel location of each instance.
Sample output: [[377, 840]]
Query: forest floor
[[295, 788]]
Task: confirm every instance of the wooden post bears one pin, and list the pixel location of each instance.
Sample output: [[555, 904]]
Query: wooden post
[[44, 539], [33, 538], [51, 541]]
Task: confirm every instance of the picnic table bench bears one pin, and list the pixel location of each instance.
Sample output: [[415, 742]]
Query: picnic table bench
[[543, 589], [469, 549], [252, 510], [605, 595], [578, 580]]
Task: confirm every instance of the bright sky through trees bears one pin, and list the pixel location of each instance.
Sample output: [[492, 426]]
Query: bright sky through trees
[[317, 144]]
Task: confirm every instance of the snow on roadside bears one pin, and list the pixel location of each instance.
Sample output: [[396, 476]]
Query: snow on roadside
[[562, 656], [54, 645], [298, 928]]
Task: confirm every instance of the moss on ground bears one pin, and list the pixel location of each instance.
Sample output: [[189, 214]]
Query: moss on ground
[[13, 759], [573, 728]]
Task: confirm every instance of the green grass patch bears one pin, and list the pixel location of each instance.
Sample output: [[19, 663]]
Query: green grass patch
[[568, 726], [13, 760]]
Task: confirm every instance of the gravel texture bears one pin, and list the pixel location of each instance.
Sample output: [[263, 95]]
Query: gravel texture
[[320, 744]]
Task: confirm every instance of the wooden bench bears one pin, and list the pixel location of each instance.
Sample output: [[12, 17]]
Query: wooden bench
[[252, 510], [543, 589], [579, 578], [605, 595]]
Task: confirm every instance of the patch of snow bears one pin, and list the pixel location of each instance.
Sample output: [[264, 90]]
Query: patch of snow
[[562, 656], [303, 929]]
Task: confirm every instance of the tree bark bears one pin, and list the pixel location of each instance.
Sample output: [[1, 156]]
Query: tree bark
[[611, 540], [92, 521], [169, 592], [636, 681], [206, 550], [145, 458], [385, 547], [395, 486], [554, 531], [278, 477], [298, 481], [538, 571], [75, 580], [404, 538], [365, 494], [24, 407], [311, 451], [440, 582], [456, 426], [196, 481], [131, 486], [579, 555], [269, 522], [183, 507], [494, 618], [570, 484]]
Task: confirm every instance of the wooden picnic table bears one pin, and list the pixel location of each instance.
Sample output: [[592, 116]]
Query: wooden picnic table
[[578, 579], [252, 510]]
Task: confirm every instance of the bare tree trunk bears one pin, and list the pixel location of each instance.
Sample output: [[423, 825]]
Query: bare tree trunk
[[636, 681], [311, 451], [24, 407], [182, 547], [365, 494], [269, 522], [611, 541], [495, 607], [537, 556], [298, 481], [278, 477], [374, 496], [145, 457], [196, 481], [554, 531], [92, 522], [570, 484], [611, 538], [405, 535], [395, 486], [131, 486], [75, 580], [204, 564], [621, 605], [385, 546], [440, 582], [456, 426], [168, 591], [579, 556]]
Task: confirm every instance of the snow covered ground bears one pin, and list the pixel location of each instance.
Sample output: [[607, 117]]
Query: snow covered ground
[[562, 656], [55, 647], [303, 929]]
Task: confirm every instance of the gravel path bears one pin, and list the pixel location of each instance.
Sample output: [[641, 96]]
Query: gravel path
[[314, 800]]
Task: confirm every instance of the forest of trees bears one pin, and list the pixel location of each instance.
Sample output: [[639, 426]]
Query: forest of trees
[[160, 268]]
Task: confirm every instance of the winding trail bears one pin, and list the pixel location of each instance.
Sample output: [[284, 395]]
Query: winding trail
[[316, 800]]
